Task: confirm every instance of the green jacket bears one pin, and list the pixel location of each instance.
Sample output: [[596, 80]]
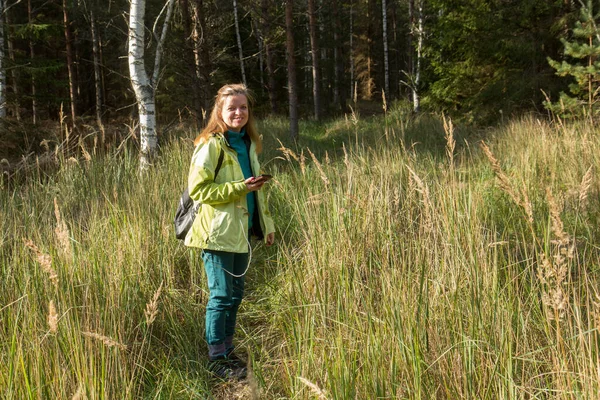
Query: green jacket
[[222, 221]]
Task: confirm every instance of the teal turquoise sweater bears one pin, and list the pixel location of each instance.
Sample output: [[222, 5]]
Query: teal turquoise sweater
[[238, 144]]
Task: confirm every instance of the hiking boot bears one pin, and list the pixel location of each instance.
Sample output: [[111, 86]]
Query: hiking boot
[[227, 370], [233, 358]]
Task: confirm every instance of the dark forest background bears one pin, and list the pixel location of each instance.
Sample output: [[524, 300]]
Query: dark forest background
[[480, 60]]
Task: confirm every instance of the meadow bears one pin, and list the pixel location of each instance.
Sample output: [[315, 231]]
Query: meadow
[[414, 259]]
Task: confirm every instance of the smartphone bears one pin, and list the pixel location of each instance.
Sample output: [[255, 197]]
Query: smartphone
[[263, 177]]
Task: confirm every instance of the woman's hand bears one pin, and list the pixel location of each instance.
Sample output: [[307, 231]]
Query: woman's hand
[[270, 239], [253, 186]]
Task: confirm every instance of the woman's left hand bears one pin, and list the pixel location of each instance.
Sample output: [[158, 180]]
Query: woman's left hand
[[270, 239]]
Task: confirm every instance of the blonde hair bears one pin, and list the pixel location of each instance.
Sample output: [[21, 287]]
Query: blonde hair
[[217, 125]]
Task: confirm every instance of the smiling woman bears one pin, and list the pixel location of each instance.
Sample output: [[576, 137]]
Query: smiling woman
[[233, 209]]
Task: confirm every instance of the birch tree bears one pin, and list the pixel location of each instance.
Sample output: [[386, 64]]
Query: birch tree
[[314, 50], [417, 72], [143, 85], [292, 85]]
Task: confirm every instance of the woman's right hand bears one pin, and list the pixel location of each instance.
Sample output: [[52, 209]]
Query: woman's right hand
[[253, 186]]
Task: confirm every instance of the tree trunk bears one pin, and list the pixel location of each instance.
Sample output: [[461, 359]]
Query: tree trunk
[[144, 91], [292, 89], [416, 100], [188, 34], [386, 63], [13, 72], [2, 65], [339, 67], [261, 63], [272, 83], [202, 61], [160, 44], [352, 82], [97, 70], [239, 41], [314, 49], [34, 110], [70, 65]]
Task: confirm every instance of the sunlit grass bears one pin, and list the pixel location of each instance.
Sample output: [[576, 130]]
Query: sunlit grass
[[406, 266]]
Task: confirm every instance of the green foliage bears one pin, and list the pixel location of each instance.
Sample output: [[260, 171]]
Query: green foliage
[[582, 65], [486, 58]]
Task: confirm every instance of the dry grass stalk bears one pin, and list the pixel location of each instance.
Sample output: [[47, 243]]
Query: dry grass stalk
[[527, 205], [44, 260], [52, 317], [79, 394], [584, 188], [107, 341], [288, 153], [521, 199], [450, 142], [552, 276], [354, 117], [86, 154], [562, 238], [302, 162], [422, 188], [384, 101], [317, 391], [500, 175], [152, 306], [346, 158], [61, 230], [319, 167]]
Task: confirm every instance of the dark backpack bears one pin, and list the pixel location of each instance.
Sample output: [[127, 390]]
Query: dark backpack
[[186, 211]]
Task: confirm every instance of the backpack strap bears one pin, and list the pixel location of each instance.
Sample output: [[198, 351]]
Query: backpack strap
[[219, 162]]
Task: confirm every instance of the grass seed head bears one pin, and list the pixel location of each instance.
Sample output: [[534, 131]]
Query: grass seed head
[[584, 188], [152, 307], [44, 260], [61, 230], [52, 317], [107, 341]]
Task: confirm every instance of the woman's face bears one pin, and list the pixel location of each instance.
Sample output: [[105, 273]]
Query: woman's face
[[235, 112]]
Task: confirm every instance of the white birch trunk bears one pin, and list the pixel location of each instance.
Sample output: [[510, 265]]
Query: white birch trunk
[[416, 100], [385, 48], [161, 42], [239, 41], [2, 70], [144, 92]]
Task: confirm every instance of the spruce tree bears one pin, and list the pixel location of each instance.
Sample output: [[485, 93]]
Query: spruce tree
[[581, 63]]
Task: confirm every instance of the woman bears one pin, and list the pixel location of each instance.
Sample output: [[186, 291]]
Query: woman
[[233, 209]]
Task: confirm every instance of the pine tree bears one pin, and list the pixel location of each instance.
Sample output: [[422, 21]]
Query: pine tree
[[583, 65]]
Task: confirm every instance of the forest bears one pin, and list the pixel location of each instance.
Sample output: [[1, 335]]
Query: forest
[[479, 60], [434, 191]]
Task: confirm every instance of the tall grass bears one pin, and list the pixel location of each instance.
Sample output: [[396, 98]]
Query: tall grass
[[411, 262]]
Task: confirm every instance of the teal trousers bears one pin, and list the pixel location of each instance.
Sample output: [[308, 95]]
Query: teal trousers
[[226, 293]]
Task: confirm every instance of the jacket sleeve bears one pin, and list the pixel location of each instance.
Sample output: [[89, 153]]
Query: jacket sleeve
[[201, 180]]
